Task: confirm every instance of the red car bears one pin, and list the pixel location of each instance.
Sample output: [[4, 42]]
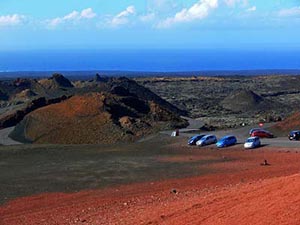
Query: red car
[[262, 134]]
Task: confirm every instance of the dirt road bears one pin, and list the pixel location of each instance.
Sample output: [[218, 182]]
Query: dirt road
[[241, 134], [4, 139]]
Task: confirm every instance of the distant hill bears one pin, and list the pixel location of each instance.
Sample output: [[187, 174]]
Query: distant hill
[[144, 93], [245, 101], [84, 75], [56, 81], [95, 118], [24, 96]]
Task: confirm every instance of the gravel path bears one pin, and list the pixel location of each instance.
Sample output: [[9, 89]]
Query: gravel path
[[4, 139], [240, 133]]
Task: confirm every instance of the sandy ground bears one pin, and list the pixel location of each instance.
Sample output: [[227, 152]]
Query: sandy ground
[[4, 139], [240, 192]]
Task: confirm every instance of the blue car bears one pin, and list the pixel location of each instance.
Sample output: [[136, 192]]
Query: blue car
[[226, 141], [193, 140]]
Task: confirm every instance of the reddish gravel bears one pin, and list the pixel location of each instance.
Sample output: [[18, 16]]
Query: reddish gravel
[[241, 192], [290, 123]]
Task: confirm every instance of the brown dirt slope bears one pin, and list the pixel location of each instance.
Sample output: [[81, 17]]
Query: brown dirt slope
[[95, 118], [290, 123], [273, 201]]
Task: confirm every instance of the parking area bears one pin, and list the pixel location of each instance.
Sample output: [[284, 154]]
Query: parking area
[[241, 134]]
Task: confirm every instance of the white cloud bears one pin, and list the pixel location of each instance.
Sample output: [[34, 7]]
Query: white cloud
[[198, 11], [11, 20], [295, 11], [148, 17], [88, 13], [123, 17], [251, 9], [73, 16], [129, 10], [232, 3], [54, 22], [161, 5]]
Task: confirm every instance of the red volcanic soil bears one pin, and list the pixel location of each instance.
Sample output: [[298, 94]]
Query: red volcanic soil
[[240, 192], [290, 123]]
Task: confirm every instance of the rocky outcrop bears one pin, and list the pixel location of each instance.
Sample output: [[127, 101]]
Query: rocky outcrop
[[25, 95], [99, 78], [30, 85], [55, 82], [16, 116], [133, 88]]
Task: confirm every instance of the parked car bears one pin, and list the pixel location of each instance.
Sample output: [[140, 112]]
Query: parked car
[[194, 139], [294, 135], [252, 142], [262, 134], [254, 129], [207, 140], [226, 141]]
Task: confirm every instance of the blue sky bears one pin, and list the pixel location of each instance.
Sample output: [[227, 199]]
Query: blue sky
[[99, 24]]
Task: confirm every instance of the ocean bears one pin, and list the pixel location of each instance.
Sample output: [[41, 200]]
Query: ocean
[[155, 60]]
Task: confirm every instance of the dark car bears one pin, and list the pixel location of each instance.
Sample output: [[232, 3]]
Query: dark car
[[194, 139], [294, 135], [262, 134]]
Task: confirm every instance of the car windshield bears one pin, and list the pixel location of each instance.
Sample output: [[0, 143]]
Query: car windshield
[[254, 129], [250, 140]]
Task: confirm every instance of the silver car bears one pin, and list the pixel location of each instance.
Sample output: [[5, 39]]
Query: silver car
[[207, 140]]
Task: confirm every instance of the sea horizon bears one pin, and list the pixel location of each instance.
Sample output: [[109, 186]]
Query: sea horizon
[[89, 74], [150, 60]]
